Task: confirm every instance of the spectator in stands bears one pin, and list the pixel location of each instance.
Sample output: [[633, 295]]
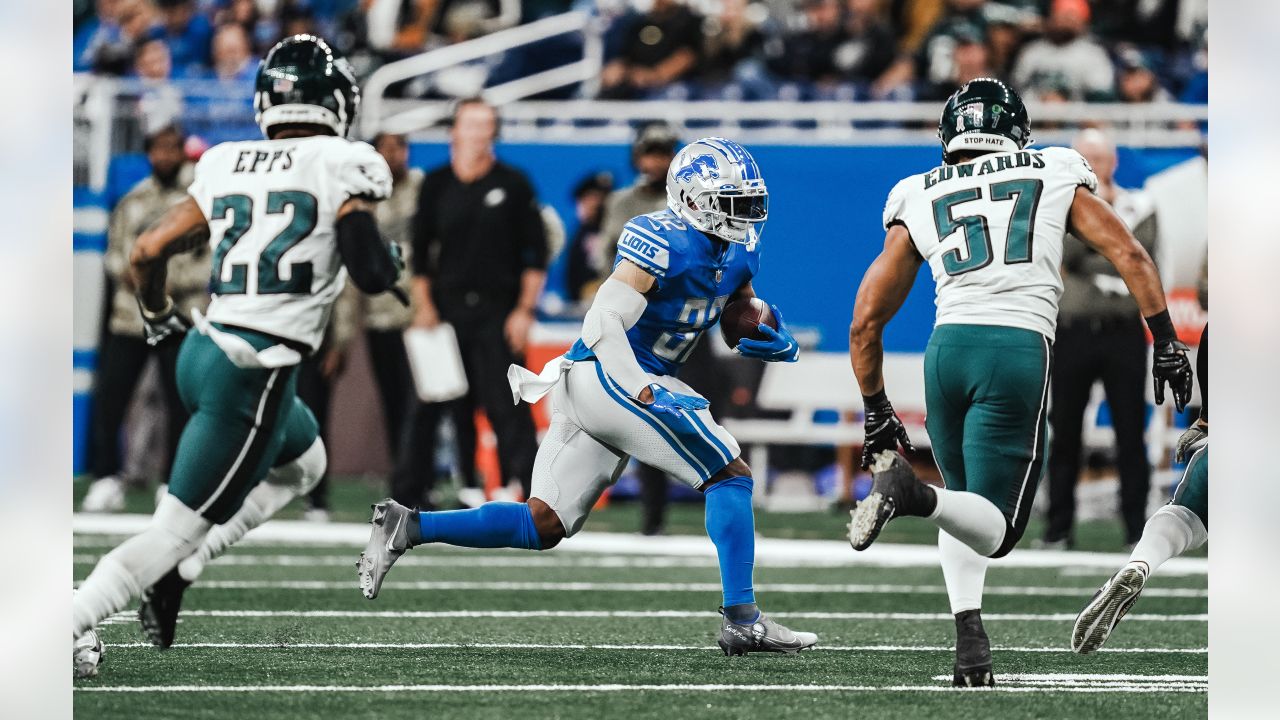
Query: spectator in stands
[[125, 25], [809, 53], [969, 61], [652, 150], [586, 249], [1137, 79], [659, 48], [870, 45], [125, 353], [160, 102], [729, 38], [187, 33], [479, 261], [1066, 58], [1100, 337], [933, 63], [233, 57], [385, 319]]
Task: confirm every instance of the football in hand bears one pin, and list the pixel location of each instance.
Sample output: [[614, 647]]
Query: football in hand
[[742, 319]]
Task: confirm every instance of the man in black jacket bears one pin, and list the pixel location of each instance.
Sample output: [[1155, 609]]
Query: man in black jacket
[[479, 259]]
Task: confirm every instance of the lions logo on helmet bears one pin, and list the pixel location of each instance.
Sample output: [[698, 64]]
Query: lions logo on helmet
[[304, 81], [716, 186]]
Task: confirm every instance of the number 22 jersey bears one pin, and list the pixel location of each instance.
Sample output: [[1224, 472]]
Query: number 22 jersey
[[992, 230], [271, 207]]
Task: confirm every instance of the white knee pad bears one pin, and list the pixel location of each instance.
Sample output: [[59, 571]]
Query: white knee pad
[[304, 473], [1199, 534]]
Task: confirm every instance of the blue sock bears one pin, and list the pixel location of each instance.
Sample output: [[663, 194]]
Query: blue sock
[[731, 526], [492, 525]]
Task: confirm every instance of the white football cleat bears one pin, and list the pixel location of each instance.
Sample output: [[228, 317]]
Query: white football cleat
[[86, 655], [1112, 601], [388, 540], [104, 495]]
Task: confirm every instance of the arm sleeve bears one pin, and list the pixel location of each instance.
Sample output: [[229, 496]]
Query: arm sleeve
[[363, 251], [533, 232], [616, 309], [1202, 372]]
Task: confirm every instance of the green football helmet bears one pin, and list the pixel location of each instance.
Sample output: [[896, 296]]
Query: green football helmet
[[302, 80], [984, 115]]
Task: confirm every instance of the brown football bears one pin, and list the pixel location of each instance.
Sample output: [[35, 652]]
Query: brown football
[[741, 319]]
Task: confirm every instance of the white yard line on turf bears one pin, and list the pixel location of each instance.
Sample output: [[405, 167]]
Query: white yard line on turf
[[571, 646], [1157, 688], [631, 614], [569, 586], [769, 551]]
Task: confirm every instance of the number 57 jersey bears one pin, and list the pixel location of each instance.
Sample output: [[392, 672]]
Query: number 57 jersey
[[271, 207], [992, 230]]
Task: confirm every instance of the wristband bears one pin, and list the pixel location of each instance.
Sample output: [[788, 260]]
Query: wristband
[[149, 315], [1161, 326], [877, 400]]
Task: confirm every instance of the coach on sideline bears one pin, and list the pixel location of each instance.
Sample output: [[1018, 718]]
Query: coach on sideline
[[479, 263]]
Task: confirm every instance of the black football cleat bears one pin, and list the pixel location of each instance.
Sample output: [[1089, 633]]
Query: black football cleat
[[159, 610], [763, 635], [973, 652], [895, 491]]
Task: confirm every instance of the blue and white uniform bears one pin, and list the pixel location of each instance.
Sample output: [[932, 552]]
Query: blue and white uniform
[[595, 426]]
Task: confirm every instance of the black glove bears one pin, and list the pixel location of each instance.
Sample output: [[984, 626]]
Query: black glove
[[160, 327], [1170, 364], [1190, 441], [884, 431]]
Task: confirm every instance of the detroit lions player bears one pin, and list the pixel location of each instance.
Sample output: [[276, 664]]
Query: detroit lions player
[[615, 395]]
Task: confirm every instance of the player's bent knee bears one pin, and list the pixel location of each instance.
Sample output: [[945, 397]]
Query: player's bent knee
[[1012, 534], [737, 468], [550, 529], [304, 472]]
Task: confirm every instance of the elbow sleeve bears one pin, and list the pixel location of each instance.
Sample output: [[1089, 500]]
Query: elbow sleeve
[[616, 308], [366, 255]]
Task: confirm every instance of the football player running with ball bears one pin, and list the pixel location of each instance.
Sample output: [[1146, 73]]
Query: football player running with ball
[[990, 222], [615, 395], [1179, 526], [288, 218]]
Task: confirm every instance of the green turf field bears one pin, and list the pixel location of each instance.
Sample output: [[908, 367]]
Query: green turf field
[[281, 631]]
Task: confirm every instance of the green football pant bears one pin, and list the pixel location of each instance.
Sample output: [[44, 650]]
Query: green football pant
[[986, 397], [244, 421], [1193, 491]]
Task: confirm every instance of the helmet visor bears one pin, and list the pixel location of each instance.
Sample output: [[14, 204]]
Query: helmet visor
[[747, 208]]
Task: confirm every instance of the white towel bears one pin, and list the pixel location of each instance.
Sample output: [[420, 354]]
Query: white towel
[[530, 387], [240, 352]]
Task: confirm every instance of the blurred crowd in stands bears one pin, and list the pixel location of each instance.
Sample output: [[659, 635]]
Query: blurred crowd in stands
[[1129, 51]]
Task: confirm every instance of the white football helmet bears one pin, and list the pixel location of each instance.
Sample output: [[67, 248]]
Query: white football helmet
[[717, 187]]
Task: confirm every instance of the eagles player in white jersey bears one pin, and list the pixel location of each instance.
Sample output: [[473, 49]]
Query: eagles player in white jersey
[[288, 218], [990, 222]]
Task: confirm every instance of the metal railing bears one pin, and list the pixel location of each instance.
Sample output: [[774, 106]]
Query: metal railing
[[380, 114]]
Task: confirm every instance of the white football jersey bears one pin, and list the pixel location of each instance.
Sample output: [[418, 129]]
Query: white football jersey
[[992, 231], [271, 206]]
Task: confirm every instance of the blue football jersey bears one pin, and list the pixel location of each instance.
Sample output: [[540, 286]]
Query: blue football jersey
[[695, 275]]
